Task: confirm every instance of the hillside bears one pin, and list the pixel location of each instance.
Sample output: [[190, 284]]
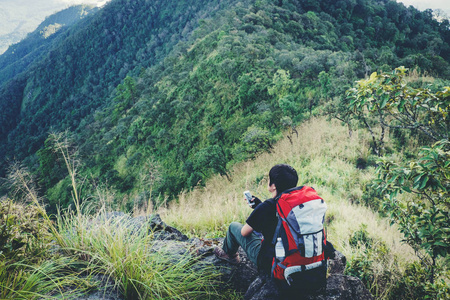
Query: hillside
[[84, 66], [176, 107], [185, 90], [325, 156]]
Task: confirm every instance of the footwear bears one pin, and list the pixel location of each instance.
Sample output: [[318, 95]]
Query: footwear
[[220, 254]]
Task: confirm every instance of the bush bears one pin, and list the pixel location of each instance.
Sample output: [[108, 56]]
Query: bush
[[22, 233], [371, 263], [414, 284]]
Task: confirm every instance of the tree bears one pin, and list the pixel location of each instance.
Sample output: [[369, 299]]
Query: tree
[[257, 140], [398, 106], [424, 217], [213, 158], [424, 220], [281, 84], [126, 96]]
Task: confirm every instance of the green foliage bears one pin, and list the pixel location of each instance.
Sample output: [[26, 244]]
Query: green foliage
[[361, 237], [142, 79], [256, 140], [126, 97], [281, 84], [396, 105], [50, 170], [414, 284], [23, 235], [211, 157], [423, 220], [365, 262], [424, 217]]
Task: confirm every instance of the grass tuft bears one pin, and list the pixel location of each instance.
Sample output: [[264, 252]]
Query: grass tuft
[[119, 250]]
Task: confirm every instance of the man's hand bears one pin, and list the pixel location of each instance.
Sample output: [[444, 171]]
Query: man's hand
[[255, 201]]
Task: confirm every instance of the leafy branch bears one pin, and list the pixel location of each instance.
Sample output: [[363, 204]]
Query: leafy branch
[[423, 218]]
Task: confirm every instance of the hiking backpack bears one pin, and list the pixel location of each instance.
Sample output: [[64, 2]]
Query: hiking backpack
[[299, 238]]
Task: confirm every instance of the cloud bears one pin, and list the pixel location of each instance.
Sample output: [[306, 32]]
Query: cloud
[[425, 4], [74, 2]]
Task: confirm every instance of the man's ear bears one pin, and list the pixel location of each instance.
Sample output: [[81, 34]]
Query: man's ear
[[273, 187]]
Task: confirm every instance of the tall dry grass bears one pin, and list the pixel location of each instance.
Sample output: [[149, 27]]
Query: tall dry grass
[[118, 250], [325, 157]]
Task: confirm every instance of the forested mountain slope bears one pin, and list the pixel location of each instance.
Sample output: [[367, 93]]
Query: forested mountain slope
[[161, 94], [86, 64]]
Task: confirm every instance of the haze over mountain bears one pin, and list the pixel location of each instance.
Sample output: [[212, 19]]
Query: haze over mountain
[[185, 89], [20, 17], [443, 5]]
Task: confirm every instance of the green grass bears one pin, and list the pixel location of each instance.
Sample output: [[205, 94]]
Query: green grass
[[53, 278], [325, 157], [140, 266]]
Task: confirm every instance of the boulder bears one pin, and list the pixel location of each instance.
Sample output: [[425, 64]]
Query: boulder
[[243, 277], [339, 286]]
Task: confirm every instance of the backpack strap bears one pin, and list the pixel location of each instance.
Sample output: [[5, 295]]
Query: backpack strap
[[277, 230]]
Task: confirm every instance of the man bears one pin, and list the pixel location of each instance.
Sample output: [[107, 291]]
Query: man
[[262, 221], [260, 250]]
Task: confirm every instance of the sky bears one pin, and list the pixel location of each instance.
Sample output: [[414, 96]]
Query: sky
[[424, 4], [420, 4], [72, 2]]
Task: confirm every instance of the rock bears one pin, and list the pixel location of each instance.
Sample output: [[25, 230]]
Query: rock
[[237, 277], [156, 226], [105, 291], [262, 288], [243, 277], [344, 287], [337, 264], [339, 286]]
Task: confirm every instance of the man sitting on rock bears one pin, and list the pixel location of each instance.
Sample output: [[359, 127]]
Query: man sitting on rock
[[256, 235]]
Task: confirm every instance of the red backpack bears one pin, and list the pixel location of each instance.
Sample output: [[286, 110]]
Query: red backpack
[[299, 238]]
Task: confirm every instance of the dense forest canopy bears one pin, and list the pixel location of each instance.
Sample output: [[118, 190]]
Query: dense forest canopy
[[159, 95]]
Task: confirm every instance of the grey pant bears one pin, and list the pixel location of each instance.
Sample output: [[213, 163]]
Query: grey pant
[[251, 244]]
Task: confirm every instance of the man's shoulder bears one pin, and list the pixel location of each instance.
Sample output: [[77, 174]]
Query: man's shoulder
[[268, 204], [270, 201]]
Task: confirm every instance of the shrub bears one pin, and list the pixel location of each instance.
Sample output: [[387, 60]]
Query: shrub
[[22, 232], [414, 284], [371, 263]]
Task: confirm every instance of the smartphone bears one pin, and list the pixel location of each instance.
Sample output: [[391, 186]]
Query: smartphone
[[249, 197]]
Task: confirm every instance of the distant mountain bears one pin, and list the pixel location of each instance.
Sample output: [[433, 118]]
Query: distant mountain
[[184, 89], [20, 17], [19, 56]]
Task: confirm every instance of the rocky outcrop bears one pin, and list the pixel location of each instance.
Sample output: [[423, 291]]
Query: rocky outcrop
[[244, 277], [339, 287]]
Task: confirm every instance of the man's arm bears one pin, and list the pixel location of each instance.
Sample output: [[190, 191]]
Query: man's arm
[[246, 230]]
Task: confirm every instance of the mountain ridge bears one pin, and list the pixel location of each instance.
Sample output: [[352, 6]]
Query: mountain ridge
[[189, 89]]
